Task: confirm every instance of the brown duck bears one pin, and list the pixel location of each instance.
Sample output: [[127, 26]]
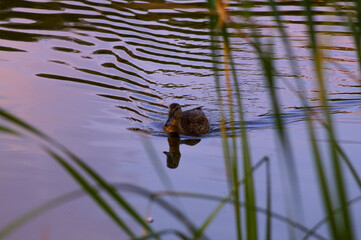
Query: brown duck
[[192, 122]]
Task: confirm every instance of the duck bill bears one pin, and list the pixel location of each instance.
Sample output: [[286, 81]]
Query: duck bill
[[169, 121]]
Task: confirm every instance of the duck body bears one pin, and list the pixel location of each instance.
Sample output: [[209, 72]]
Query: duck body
[[192, 122]]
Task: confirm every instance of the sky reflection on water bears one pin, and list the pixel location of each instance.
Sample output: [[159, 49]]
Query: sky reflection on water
[[87, 73]]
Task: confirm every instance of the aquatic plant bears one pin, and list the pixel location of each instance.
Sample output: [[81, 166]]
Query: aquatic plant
[[238, 160], [331, 178]]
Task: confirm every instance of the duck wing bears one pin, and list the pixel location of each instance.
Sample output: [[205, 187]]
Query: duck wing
[[195, 114], [195, 109], [195, 122]]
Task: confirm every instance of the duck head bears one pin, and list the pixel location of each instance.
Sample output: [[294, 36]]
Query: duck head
[[174, 113]]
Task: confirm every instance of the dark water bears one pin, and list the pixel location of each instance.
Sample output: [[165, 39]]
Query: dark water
[[97, 75]]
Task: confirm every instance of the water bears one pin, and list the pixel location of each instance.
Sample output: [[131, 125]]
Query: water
[[98, 77]]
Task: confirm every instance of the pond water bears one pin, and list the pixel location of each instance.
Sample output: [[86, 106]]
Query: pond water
[[99, 75]]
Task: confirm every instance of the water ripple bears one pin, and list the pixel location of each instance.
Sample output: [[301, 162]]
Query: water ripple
[[142, 56]]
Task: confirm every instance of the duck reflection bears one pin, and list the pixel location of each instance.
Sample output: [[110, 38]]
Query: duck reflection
[[174, 155]]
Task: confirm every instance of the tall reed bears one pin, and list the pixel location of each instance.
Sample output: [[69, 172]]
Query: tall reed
[[331, 178], [219, 33]]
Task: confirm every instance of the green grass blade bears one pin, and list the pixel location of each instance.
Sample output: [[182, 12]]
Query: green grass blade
[[234, 159], [17, 121], [7, 130], [230, 153], [91, 192], [292, 186], [110, 190], [343, 227], [265, 211], [251, 217], [348, 164], [229, 197], [323, 221], [121, 201], [211, 216], [216, 60], [325, 193], [70, 196]]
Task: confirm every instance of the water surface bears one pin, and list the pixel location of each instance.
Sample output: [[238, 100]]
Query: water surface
[[99, 75]]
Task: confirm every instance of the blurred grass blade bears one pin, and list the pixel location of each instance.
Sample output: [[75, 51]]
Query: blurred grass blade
[[251, 216], [70, 196], [7, 130], [162, 174], [265, 211], [215, 53], [91, 192], [341, 227], [327, 218], [217, 18], [292, 186], [110, 190], [8, 229], [126, 206], [213, 214], [17, 121], [234, 159], [349, 164]]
